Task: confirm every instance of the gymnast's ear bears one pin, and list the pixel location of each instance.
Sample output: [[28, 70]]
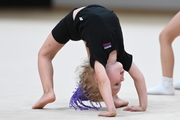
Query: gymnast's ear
[[95, 78]]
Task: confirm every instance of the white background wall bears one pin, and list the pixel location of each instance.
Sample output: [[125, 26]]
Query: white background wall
[[168, 5]]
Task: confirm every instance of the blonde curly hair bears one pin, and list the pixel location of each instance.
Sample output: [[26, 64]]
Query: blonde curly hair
[[86, 80]]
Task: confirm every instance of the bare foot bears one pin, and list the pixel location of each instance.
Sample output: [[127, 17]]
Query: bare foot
[[119, 102], [44, 100]]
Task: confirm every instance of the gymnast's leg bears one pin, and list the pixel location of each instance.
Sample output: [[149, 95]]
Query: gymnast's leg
[[167, 36]]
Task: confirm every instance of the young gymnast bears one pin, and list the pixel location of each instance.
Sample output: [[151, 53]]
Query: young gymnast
[[100, 30], [167, 36]]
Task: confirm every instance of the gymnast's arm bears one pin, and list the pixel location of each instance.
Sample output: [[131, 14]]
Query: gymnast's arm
[[105, 90], [140, 85]]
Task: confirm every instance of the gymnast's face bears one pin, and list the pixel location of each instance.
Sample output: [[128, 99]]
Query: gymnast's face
[[115, 73]]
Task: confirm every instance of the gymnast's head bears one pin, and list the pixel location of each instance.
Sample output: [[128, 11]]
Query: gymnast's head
[[89, 82]]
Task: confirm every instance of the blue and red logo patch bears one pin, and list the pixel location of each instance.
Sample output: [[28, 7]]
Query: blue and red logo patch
[[107, 45]]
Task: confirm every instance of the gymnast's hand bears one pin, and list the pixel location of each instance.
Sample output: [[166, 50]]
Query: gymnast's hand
[[107, 114], [134, 109]]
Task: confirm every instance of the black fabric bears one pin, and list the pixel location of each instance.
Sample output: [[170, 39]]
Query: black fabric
[[64, 30], [101, 30]]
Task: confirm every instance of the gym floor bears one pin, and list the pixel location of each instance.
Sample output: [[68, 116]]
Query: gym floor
[[22, 32]]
